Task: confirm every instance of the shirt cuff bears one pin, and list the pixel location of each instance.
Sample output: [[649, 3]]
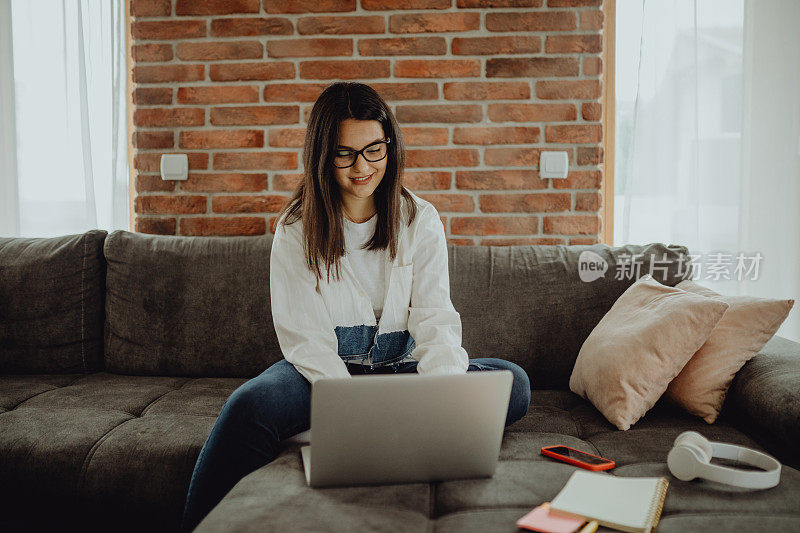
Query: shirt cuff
[[443, 370]]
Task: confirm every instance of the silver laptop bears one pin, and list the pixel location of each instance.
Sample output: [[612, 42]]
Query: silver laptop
[[403, 428]]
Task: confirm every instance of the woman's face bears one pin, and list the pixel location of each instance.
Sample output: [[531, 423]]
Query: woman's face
[[355, 135]]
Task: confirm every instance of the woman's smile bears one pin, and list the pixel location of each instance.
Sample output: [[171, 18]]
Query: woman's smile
[[362, 180]]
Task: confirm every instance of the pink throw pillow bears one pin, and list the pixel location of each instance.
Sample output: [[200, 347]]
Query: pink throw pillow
[[744, 329], [639, 346]]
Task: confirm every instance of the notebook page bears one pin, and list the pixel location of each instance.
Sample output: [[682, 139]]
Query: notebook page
[[603, 497]]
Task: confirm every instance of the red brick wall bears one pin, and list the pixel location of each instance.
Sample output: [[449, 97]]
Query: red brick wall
[[479, 87]]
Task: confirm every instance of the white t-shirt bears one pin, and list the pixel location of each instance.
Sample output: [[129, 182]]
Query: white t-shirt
[[368, 265]]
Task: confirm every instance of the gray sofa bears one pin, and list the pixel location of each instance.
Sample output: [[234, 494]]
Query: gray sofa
[[118, 351]]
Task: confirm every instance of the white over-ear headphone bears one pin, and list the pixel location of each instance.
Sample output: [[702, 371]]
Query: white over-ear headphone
[[691, 455]]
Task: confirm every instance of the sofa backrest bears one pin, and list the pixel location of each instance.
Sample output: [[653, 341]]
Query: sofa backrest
[[200, 305], [52, 292], [528, 304]]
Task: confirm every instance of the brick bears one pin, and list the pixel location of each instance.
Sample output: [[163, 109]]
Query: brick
[[532, 112], [230, 94], [391, 5], [434, 22], [498, 3], [229, 182], [255, 115], [153, 183], [512, 157], [150, 8], [349, 70], [437, 68], [592, 20], [532, 21], [257, 161], [168, 29], [487, 90], [580, 179], [463, 203], [489, 135], [168, 117], [398, 46], [215, 51], [592, 66], [522, 241], [488, 180], [592, 111], [587, 201], [568, 90], [310, 47], [452, 157], [293, 92], [589, 155], [340, 25], [512, 44], [167, 73], [427, 180], [461, 242], [518, 225], [525, 203], [304, 6], [251, 71], [162, 205], [574, 44], [439, 113], [149, 140], [286, 182], [424, 136], [223, 226], [248, 204], [205, 140], [155, 226], [245, 27], [151, 53], [152, 95], [151, 161], [406, 91], [571, 225], [531, 67], [287, 137], [216, 7], [578, 133], [583, 240], [573, 3]]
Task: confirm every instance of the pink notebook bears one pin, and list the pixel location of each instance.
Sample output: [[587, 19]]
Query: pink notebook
[[541, 520]]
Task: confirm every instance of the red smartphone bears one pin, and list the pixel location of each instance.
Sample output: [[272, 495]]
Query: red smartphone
[[578, 458]]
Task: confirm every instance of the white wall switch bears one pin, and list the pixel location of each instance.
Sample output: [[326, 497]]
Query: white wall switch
[[174, 166], [553, 165]]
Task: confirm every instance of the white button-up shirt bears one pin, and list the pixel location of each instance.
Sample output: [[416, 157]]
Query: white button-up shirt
[[320, 323]]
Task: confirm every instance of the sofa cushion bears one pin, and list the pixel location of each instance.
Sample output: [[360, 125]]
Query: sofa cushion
[[51, 308], [188, 306], [530, 305]]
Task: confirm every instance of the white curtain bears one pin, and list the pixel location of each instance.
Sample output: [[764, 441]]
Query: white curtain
[[63, 112], [708, 140]]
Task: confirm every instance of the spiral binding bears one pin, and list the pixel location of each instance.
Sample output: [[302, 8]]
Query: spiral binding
[[658, 503]]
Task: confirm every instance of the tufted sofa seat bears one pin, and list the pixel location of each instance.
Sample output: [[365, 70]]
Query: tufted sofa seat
[[118, 351]]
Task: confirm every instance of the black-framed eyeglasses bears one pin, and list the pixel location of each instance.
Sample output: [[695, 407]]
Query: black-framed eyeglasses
[[372, 152]]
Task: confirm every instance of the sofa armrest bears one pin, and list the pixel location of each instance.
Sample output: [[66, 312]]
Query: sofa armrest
[[764, 399]]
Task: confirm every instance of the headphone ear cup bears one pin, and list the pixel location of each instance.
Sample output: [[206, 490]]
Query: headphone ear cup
[[696, 439], [683, 460]]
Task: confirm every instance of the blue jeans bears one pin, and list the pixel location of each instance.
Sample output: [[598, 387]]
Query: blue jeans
[[276, 405]]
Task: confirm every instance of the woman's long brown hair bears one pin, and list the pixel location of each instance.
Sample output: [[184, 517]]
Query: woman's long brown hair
[[317, 199]]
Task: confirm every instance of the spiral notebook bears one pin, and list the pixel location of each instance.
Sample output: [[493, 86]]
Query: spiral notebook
[[624, 503]]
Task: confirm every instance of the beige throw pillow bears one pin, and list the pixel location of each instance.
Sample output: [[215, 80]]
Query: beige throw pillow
[[747, 325], [639, 346]]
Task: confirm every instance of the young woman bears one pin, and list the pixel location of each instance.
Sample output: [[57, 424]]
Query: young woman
[[359, 284]]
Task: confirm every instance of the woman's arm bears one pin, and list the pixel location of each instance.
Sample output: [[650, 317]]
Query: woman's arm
[[433, 322], [304, 328]]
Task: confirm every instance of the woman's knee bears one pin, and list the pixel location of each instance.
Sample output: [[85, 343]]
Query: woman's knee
[[277, 388]]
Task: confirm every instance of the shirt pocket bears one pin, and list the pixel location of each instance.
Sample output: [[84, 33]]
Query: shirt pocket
[[401, 280]]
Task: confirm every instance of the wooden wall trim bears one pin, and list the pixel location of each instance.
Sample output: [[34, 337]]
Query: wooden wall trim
[[609, 51]]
